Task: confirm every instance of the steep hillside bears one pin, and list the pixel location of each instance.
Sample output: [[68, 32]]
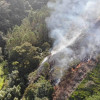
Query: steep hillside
[[71, 80], [89, 89], [49, 51]]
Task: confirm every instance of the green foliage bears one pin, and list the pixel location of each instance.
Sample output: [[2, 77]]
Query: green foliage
[[27, 43], [46, 69], [2, 46], [15, 98], [89, 88], [10, 93], [2, 40], [11, 13], [1, 59], [20, 35], [3, 73], [94, 97], [13, 87], [32, 77], [33, 30], [41, 90], [1, 77], [45, 46], [45, 98], [25, 57]]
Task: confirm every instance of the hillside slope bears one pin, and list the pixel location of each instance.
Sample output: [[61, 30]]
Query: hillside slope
[[72, 79], [89, 89]]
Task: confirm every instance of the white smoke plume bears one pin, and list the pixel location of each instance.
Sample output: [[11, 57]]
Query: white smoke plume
[[75, 27]]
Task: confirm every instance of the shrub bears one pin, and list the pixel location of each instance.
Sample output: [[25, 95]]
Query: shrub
[[45, 46]]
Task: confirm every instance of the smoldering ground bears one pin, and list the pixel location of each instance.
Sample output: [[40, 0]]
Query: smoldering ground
[[74, 26]]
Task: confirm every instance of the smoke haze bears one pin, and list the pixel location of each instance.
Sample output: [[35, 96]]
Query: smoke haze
[[74, 26]]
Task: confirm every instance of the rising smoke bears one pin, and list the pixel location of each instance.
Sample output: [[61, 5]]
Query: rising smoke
[[74, 26]]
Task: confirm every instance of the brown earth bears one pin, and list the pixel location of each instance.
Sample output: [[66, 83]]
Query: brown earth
[[72, 79]]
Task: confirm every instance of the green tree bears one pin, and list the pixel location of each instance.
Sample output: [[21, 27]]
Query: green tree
[[41, 89], [25, 57], [11, 13]]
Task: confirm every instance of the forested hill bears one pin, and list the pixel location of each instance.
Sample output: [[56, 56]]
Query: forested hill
[[24, 43], [12, 12]]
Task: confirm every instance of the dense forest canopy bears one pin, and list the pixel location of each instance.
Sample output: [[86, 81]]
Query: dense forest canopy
[[24, 43]]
